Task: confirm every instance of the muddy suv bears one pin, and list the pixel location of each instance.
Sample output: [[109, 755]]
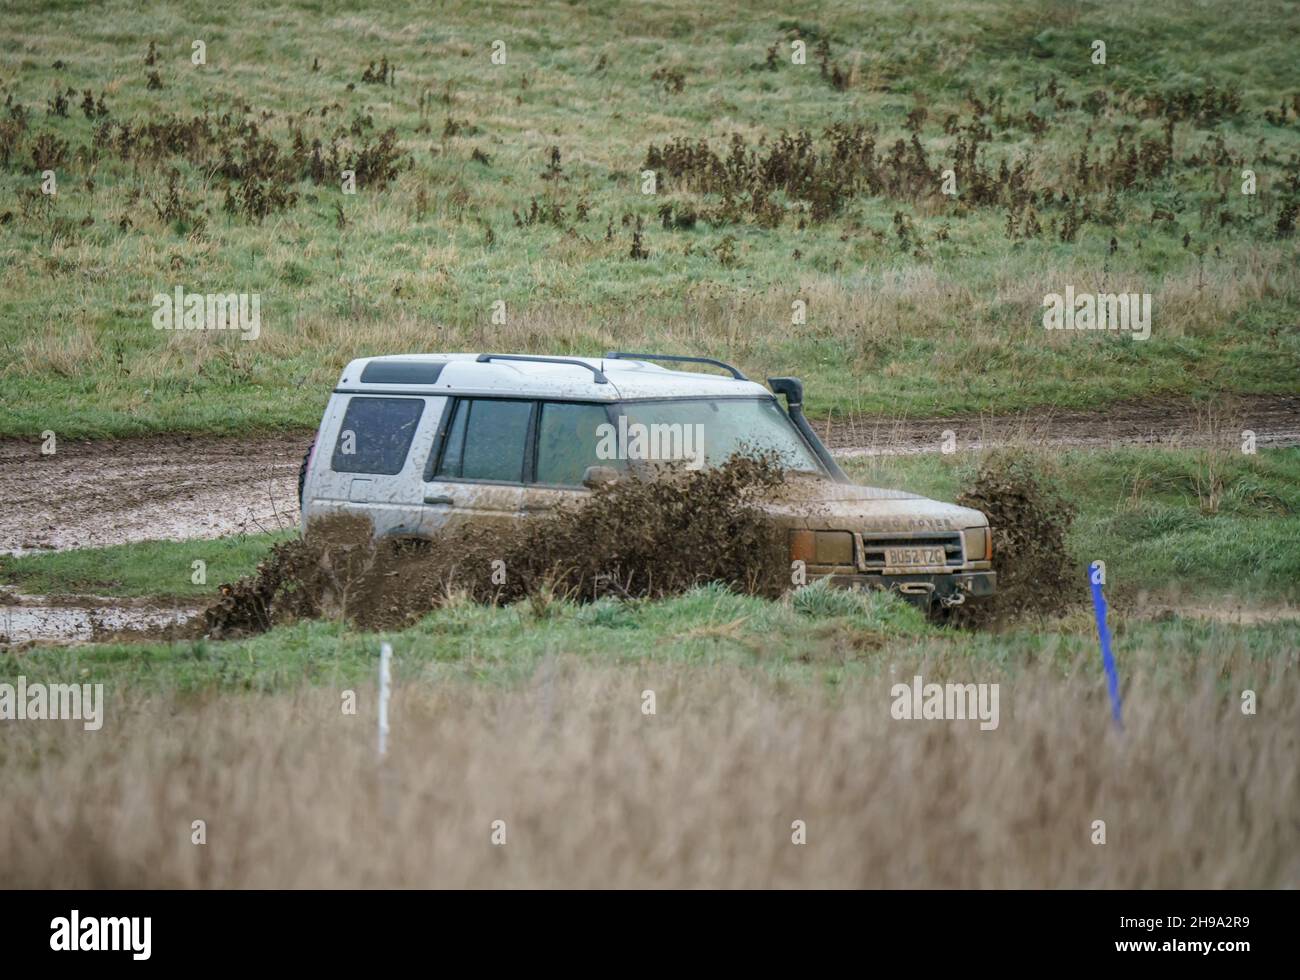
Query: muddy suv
[[418, 442]]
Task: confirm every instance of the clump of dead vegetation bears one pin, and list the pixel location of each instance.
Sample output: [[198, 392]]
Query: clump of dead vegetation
[[256, 173], [385, 74], [671, 80], [815, 176]]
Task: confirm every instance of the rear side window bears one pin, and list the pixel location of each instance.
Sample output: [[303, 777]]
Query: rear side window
[[376, 434], [487, 440], [567, 440]]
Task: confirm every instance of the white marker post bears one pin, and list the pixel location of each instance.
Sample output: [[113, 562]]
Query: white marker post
[[385, 686]]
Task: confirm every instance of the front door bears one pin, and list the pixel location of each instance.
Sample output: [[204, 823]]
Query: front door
[[567, 443]]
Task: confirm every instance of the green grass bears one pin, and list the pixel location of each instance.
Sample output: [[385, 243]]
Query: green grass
[[947, 322], [147, 568], [706, 626], [793, 641]]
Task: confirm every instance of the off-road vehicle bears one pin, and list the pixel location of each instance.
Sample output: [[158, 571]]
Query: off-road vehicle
[[418, 441]]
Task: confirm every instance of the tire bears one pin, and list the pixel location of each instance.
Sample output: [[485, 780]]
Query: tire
[[302, 476]]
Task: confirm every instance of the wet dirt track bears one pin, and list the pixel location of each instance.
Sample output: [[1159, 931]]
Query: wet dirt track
[[1275, 420], [93, 494]]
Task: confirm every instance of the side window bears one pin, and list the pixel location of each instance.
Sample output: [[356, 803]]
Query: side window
[[486, 440], [454, 447], [567, 442], [376, 434]]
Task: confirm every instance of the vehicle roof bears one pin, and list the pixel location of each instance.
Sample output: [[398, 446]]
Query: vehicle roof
[[463, 374]]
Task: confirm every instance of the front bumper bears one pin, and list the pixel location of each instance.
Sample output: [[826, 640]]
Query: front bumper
[[948, 589]]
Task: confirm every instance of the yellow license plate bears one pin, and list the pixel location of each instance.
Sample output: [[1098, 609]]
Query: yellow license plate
[[915, 557]]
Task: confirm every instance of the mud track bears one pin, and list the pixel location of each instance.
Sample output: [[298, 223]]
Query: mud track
[[1275, 420], [93, 494]]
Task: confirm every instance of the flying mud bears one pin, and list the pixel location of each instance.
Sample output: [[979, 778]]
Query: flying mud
[[636, 538]]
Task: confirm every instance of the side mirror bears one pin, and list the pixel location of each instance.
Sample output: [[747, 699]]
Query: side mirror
[[594, 476]]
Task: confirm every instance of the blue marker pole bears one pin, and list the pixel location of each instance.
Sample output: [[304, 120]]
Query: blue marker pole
[[1095, 574]]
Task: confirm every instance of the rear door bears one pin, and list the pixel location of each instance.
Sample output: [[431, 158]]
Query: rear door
[[369, 460], [477, 470]]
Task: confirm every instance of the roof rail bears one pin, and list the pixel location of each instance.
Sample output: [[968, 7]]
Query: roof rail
[[597, 374], [624, 355]]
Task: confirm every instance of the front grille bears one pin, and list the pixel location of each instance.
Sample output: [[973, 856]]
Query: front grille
[[874, 545]]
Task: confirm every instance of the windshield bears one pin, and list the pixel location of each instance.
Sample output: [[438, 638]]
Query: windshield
[[708, 431]]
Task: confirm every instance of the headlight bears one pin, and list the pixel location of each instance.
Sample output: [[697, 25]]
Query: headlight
[[821, 547], [979, 543]]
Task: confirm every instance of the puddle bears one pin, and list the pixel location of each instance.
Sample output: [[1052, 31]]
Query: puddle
[[73, 619], [1230, 614]]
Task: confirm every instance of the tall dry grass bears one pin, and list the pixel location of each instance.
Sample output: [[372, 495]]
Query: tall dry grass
[[703, 793]]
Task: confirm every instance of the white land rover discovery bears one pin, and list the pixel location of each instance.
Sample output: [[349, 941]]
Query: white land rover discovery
[[418, 441]]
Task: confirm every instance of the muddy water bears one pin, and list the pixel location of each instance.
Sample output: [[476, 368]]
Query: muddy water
[[69, 619]]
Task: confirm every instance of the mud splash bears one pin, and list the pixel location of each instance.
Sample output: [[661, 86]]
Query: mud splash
[[1037, 575], [641, 537]]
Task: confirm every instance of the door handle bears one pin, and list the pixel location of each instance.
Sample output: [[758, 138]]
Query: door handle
[[440, 499]]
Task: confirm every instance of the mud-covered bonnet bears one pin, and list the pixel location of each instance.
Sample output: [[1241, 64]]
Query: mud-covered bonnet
[[812, 502]]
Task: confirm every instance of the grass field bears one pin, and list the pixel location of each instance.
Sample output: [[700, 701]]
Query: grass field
[[769, 719], [883, 220], [521, 183], [561, 778], [818, 636], [521, 753]]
